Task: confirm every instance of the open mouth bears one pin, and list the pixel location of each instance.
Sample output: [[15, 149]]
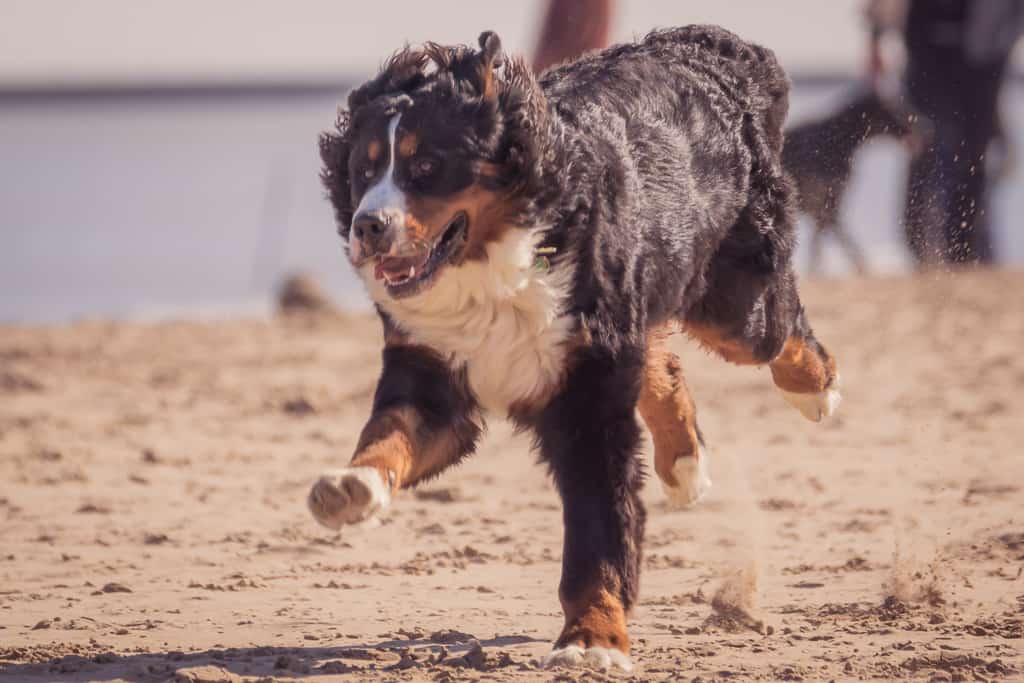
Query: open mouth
[[407, 275]]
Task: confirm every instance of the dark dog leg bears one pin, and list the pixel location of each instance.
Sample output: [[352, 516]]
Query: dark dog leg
[[424, 420], [589, 436]]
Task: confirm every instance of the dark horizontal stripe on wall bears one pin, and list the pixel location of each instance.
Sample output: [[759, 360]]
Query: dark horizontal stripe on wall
[[39, 93], [14, 94]]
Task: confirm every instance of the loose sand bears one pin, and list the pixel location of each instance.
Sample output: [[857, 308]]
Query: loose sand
[[153, 521]]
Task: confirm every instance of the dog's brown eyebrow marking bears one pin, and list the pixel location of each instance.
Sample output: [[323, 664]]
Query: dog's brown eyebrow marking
[[373, 150], [419, 230], [408, 144]]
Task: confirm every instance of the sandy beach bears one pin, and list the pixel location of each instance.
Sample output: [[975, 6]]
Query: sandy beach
[[153, 524]]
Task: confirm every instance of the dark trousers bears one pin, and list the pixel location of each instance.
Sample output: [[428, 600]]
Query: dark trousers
[[946, 214]]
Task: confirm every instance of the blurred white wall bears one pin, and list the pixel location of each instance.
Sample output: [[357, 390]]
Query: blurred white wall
[[160, 203], [118, 41]]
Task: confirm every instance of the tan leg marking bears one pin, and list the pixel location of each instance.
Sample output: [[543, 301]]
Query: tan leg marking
[[386, 444], [667, 409], [597, 618], [808, 378], [800, 368], [373, 150], [595, 633], [804, 371], [389, 444], [408, 144], [387, 457]]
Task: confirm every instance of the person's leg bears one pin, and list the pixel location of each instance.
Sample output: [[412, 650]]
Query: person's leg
[[932, 80], [968, 235], [925, 210], [968, 239]]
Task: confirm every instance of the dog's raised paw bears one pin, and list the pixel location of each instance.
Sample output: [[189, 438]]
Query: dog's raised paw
[[816, 406], [693, 481], [347, 496], [602, 658]]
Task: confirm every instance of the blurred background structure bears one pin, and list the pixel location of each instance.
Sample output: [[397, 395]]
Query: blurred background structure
[[160, 158]]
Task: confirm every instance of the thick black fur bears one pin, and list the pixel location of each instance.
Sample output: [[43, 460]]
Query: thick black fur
[[676, 201], [589, 436], [654, 168]]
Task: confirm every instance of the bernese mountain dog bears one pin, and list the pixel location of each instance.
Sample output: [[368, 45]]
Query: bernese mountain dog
[[530, 242]]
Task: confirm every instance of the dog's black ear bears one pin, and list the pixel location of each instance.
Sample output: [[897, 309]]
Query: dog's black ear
[[491, 57], [335, 147], [525, 131]]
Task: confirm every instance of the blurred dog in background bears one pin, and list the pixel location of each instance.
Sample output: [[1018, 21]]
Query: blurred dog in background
[[819, 156]]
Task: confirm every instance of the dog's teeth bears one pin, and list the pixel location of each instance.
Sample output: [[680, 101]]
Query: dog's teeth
[[412, 272]]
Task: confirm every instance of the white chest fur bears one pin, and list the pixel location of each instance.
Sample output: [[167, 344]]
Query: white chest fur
[[500, 318]]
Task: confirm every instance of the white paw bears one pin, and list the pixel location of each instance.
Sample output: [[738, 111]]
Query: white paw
[[602, 658], [347, 496], [816, 406], [691, 474]]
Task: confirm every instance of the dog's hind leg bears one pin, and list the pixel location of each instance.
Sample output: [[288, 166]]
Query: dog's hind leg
[[671, 417], [816, 248], [424, 419], [806, 373], [851, 248], [750, 312], [590, 437], [749, 325], [801, 367]]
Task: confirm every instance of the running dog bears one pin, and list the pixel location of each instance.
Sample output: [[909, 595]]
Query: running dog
[[530, 243], [819, 156]]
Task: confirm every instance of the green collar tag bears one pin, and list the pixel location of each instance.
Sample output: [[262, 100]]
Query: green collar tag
[[541, 261]]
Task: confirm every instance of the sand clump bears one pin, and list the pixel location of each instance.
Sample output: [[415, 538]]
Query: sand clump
[[914, 583], [735, 603]]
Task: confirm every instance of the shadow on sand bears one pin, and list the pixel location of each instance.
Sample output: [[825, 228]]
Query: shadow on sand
[[449, 650]]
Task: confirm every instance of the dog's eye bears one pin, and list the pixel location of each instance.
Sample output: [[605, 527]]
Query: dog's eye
[[367, 172], [422, 167]]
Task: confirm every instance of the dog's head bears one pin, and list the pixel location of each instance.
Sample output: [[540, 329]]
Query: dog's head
[[432, 160]]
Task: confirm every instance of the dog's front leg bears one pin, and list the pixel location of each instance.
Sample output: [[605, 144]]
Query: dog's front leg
[[589, 436], [424, 419]]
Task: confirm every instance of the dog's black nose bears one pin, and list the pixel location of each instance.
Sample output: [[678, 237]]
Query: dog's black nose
[[375, 230]]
